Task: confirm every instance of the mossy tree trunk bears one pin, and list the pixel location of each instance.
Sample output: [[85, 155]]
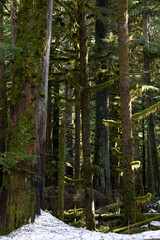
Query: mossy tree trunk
[[69, 138], [126, 112], [85, 111], [55, 131], [152, 164], [3, 106], [61, 170], [77, 137], [21, 194], [49, 158], [143, 150], [102, 181]]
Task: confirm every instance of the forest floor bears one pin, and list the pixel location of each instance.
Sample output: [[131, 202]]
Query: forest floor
[[47, 227]]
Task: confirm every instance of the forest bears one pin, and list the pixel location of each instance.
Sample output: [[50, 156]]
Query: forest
[[79, 112]]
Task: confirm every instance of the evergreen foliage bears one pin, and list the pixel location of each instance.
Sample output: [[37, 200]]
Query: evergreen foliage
[[21, 66]]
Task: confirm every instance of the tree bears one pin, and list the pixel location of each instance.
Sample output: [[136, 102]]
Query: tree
[[85, 111], [152, 164], [102, 181], [126, 111], [61, 170], [77, 137], [2, 91], [21, 194]]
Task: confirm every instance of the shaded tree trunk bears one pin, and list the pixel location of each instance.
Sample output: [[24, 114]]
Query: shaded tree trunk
[[143, 153], [49, 157], [69, 140], [21, 194], [3, 106], [102, 181], [152, 163], [126, 112], [61, 170], [85, 110], [77, 137], [56, 132]]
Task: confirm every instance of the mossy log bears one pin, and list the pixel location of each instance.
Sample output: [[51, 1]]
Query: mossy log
[[74, 215], [109, 217], [143, 199], [111, 207], [141, 202], [147, 221]]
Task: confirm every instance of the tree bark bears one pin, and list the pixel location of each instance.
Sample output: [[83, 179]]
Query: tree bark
[[126, 112], [56, 131], [49, 157], [69, 140], [152, 164], [77, 137], [22, 187], [3, 107], [102, 181], [61, 170], [85, 110]]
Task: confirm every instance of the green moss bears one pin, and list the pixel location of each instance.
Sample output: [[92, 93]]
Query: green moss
[[88, 190], [19, 206], [23, 135], [27, 68]]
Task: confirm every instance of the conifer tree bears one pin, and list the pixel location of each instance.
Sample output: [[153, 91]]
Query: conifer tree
[[102, 181], [85, 111], [22, 188], [3, 106], [152, 156], [126, 111]]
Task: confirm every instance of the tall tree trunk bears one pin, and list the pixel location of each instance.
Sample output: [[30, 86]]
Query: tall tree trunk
[[3, 106], [21, 194], [69, 140], [102, 181], [152, 165], [85, 108], [143, 152], [77, 137], [126, 112], [61, 170], [56, 131], [49, 157]]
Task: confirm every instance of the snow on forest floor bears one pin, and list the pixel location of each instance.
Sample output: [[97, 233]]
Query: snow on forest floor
[[47, 227]]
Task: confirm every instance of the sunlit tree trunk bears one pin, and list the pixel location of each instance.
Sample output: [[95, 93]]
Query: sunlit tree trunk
[[102, 181], [126, 112], [85, 110], [21, 194]]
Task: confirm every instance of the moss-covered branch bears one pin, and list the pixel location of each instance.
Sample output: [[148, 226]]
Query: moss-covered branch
[[71, 101], [146, 112], [78, 87], [142, 199], [72, 181], [111, 123], [136, 90], [111, 207], [100, 87]]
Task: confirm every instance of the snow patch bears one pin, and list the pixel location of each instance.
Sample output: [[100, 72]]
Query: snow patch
[[47, 227]]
